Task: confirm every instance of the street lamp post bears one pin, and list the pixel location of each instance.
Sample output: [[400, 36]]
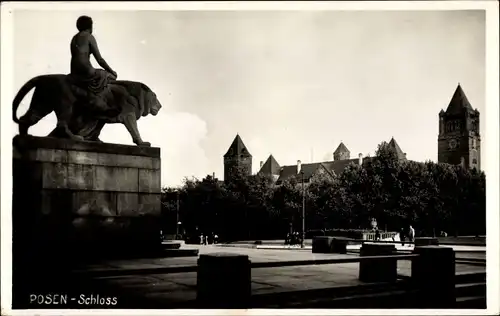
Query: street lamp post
[[177, 217], [303, 211]]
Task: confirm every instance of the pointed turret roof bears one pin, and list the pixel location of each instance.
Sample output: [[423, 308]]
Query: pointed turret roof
[[271, 166], [459, 102], [237, 148], [341, 149], [393, 144]]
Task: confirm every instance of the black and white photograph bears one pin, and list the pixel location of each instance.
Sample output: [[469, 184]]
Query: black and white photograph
[[250, 156]]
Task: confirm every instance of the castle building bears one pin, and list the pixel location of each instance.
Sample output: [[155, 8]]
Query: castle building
[[459, 140], [238, 156], [306, 171]]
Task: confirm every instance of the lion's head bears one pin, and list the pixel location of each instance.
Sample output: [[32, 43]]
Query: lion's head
[[151, 102], [155, 103]]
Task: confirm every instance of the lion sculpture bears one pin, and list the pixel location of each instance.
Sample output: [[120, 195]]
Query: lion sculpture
[[74, 120]]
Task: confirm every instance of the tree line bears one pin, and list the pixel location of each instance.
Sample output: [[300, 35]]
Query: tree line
[[432, 197]]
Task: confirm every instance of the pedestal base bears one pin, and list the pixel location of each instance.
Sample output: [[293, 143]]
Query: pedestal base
[[83, 198]]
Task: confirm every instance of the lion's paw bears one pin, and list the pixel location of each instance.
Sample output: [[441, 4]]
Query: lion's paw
[[144, 144]]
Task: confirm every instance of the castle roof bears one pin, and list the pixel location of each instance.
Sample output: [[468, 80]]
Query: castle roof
[[271, 166], [393, 144], [237, 148], [309, 169], [459, 102], [332, 167], [341, 149]]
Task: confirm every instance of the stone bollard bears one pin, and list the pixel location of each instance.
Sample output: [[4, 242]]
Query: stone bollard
[[384, 270], [433, 275], [223, 281], [426, 241], [322, 244]]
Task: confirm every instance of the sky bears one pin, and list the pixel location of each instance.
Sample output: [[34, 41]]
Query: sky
[[293, 84]]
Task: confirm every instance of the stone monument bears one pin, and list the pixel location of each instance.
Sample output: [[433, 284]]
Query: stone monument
[[73, 193]]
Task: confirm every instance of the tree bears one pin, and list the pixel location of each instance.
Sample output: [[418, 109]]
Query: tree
[[286, 205], [431, 196]]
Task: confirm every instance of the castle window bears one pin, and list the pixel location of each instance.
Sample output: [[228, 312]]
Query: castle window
[[474, 143], [474, 161]]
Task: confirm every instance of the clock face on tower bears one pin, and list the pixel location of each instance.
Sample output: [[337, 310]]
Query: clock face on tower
[[452, 144]]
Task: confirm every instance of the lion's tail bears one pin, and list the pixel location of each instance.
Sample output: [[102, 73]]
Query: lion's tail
[[21, 94]]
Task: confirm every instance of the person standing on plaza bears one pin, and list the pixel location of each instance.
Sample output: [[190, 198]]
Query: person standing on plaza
[[402, 236], [411, 234], [377, 233]]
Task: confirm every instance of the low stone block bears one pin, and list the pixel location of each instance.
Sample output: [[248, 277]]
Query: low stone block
[[380, 270], [223, 281], [322, 244], [426, 241], [339, 245], [433, 274]]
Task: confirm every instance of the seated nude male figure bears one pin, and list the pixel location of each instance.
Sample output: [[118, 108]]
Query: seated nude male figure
[[94, 81]]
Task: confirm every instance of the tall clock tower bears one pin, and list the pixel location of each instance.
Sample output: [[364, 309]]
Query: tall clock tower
[[459, 140]]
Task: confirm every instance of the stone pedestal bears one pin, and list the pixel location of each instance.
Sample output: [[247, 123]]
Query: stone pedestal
[[433, 274], [384, 270], [84, 198], [223, 281]]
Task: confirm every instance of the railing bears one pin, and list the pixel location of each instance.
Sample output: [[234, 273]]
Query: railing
[[383, 235]]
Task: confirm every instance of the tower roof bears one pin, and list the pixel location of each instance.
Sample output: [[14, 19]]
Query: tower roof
[[341, 149], [393, 144], [271, 166], [459, 102], [237, 148]]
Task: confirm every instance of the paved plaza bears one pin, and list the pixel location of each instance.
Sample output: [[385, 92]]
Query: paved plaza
[[169, 289]]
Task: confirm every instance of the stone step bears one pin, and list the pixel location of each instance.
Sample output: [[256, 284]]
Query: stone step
[[170, 245], [470, 289], [392, 299], [470, 277], [323, 296], [472, 302]]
